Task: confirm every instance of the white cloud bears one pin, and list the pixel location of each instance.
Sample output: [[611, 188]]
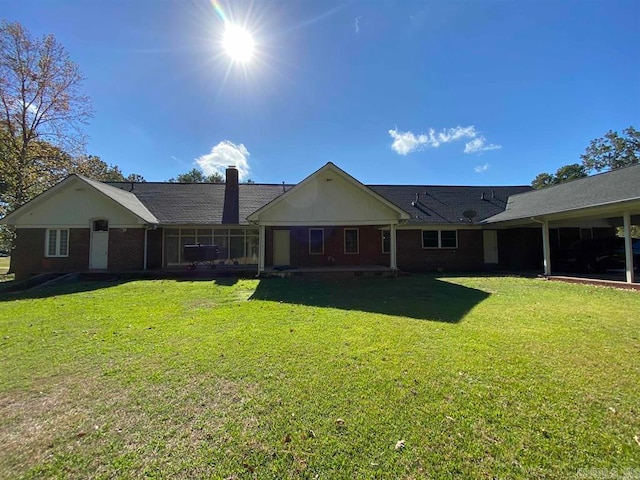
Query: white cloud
[[224, 154], [478, 145], [482, 168], [407, 142], [356, 24]]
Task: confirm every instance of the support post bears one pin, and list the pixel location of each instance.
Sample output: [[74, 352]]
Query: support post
[[261, 248], [628, 247], [546, 248], [393, 264]]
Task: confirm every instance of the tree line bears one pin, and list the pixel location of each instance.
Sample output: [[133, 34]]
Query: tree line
[[606, 153]]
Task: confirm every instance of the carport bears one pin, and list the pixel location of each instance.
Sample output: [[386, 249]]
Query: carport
[[597, 205]]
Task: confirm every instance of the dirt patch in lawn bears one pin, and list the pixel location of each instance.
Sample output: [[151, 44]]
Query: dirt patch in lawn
[[81, 424]]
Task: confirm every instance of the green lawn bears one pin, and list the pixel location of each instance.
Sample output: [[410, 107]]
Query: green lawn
[[479, 377]]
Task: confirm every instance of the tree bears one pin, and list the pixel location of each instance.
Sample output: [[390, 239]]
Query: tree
[[563, 174], [196, 176], [95, 168], [42, 109], [613, 151]]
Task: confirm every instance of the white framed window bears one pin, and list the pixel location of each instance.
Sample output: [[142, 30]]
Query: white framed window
[[56, 242], [316, 241], [386, 241], [351, 240], [439, 239]]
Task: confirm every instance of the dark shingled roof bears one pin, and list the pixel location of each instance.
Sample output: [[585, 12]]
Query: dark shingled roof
[[203, 203], [438, 204], [618, 185], [197, 203]]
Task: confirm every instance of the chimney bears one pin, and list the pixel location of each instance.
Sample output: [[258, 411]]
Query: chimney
[[231, 212]]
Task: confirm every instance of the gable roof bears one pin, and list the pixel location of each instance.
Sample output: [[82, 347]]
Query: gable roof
[[330, 167], [615, 186], [125, 199], [197, 203], [441, 204]]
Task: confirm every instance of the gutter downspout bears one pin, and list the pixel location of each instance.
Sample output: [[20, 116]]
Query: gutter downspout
[[546, 251]]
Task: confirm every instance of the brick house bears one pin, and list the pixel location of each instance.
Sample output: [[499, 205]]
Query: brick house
[[329, 219]]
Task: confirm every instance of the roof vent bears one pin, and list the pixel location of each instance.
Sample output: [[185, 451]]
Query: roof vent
[[417, 198], [283, 189], [493, 194], [482, 196]]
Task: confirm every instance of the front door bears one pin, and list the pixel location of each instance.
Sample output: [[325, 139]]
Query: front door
[[490, 239], [99, 256], [281, 248]]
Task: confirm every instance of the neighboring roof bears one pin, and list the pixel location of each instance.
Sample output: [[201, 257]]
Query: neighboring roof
[[197, 203], [331, 167], [616, 186], [125, 199], [440, 204]]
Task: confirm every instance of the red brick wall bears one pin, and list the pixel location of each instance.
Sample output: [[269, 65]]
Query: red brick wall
[[370, 247], [126, 249], [468, 256], [28, 258], [410, 255]]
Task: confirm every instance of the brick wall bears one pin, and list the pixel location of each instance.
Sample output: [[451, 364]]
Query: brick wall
[[126, 249], [469, 255], [28, 258], [410, 255]]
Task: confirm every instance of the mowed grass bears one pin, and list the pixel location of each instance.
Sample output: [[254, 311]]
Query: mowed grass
[[412, 377]]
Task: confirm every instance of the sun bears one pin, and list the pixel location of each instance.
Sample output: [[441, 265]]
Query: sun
[[238, 43]]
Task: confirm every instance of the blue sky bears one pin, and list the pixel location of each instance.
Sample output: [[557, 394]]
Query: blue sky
[[430, 92]]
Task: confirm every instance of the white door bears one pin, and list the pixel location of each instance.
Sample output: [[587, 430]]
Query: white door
[[281, 247], [99, 254], [490, 240]]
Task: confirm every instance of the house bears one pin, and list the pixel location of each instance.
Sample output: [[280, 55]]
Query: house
[[329, 219]]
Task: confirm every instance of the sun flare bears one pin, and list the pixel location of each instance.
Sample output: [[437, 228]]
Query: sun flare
[[238, 43]]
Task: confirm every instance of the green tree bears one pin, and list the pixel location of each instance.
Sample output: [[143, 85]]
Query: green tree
[[563, 174], [42, 108], [196, 176], [613, 150], [93, 167]]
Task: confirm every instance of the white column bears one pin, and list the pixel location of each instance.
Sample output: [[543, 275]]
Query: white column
[[628, 247], [392, 254], [261, 249], [545, 248]]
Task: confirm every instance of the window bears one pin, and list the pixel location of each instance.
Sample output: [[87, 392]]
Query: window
[[350, 240], [316, 241], [100, 225], [236, 246], [57, 243], [448, 239], [439, 239], [386, 241]]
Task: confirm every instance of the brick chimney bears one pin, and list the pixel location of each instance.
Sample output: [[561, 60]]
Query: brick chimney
[[231, 212]]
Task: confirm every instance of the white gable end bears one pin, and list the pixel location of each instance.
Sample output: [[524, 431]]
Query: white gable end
[[75, 205], [329, 197]]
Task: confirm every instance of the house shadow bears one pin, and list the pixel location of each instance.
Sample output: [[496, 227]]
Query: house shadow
[[421, 297], [9, 294]]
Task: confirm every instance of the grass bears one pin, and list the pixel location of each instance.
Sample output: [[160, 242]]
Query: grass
[[481, 377]]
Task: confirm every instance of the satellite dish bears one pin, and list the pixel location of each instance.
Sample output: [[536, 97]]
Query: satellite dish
[[469, 214]]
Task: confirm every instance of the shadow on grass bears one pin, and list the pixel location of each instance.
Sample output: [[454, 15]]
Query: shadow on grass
[[69, 288], [420, 297]]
